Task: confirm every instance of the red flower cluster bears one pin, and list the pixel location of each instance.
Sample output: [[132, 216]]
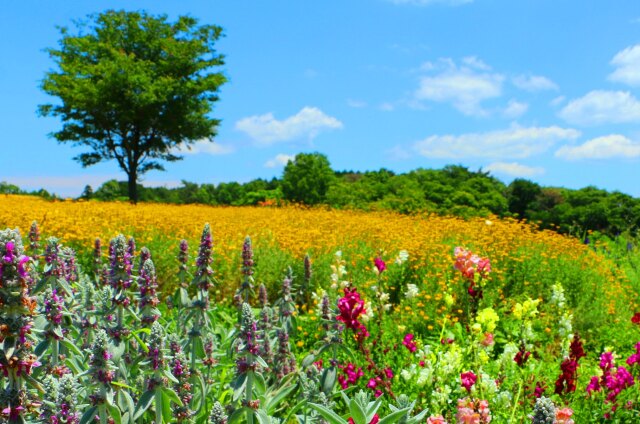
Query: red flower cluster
[[566, 382], [351, 306], [351, 377]]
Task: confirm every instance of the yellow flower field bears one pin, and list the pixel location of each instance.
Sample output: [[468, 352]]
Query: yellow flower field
[[429, 239]]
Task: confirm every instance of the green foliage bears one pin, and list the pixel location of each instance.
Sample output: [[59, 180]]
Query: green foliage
[[307, 178], [133, 87]]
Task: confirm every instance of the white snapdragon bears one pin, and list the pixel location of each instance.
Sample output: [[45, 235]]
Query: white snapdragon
[[412, 291]]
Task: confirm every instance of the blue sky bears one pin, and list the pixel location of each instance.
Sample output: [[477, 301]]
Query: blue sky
[[542, 89]]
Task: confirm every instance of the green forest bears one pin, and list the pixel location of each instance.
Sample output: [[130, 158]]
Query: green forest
[[452, 190]]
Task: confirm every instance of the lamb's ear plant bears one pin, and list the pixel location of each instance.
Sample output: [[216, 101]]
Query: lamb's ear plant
[[362, 410], [17, 359], [158, 391]]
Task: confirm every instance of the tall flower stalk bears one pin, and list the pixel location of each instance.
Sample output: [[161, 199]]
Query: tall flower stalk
[[16, 320]]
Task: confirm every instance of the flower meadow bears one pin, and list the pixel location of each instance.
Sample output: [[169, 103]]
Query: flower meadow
[[307, 316]]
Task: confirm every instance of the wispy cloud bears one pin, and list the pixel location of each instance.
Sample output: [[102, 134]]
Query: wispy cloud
[[306, 124], [207, 147], [514, 169], [515, 142], [515, 109], [357, 104], [280, 160], [465, 87], [627, 64], [602, 107], [533, 83], [606, 147]]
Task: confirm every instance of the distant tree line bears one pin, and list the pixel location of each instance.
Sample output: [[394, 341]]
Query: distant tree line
[[452, 190]]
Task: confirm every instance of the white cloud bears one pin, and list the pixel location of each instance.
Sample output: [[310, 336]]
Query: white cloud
[[280, 160], [515, 109], [533, 83], [308, 123], [356, 103], [430, 2], [476, 63], [606, 147], [515, 142], [557, 101], [627, 63], [386, 107], [207, 147], [600, 107], [514, 169], [465, 87]]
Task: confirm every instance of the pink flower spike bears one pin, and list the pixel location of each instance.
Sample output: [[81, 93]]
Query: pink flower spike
[[468, 379]]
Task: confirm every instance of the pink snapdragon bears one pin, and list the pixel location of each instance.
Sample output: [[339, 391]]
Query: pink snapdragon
[[409, 343], [468, 379], [472, 411], [379, 264], [351, 307]]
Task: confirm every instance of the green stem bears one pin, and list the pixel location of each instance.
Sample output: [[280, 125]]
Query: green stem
[[515, 403]]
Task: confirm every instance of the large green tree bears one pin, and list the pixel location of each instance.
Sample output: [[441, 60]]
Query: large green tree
[[307, 178], [134, 87]]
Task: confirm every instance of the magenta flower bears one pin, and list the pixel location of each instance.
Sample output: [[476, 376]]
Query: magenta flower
[[351, 307], [409, 343], [468, 379], [380, 265]]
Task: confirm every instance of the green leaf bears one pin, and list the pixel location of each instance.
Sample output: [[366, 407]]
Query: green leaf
[[125, 402], [115, 413], [394, 416], [167, 410], [328, 379], [172, 396], [184, 296], [262, 417], [259, 384], [140, 341], [71, 347], [308, 360], [42, 347], [144, 403], [328, 414], [357, 413], [238, 386], [278, 397], [87, 417]]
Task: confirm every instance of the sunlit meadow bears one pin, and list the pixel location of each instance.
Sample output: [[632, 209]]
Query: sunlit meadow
[[309, 316]]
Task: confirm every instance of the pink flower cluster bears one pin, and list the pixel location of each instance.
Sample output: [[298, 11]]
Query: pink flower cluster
[[436, 419], [635, 358], [409, 343], [469, 264], [468, 379], [563, 416], [351, 307], [350, 376], [377, 382], [614, 380], [473, 411]]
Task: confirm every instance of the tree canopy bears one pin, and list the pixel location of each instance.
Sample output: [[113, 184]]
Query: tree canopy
[[133, 88]]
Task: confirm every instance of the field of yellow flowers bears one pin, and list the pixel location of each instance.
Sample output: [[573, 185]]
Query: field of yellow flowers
[[474, 320], [525, 260]]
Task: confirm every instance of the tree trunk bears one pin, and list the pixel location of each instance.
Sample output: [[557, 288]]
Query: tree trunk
[[133, 186]]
